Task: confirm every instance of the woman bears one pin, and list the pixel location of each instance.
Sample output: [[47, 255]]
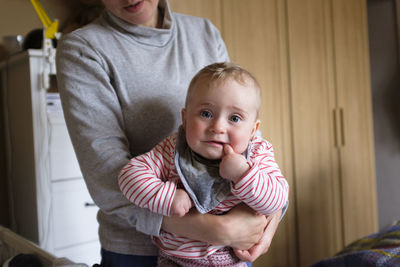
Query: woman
[[122, 81]]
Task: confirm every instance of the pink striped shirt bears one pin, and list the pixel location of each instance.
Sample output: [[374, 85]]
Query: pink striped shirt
[[150, 181]]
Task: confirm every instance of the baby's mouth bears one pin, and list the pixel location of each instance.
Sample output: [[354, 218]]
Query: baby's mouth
[[217, 143]]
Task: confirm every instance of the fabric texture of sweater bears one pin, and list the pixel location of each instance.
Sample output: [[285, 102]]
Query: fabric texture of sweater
[[122, 87]]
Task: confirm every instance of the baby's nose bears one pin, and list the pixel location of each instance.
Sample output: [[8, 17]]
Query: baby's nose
[[218, 126]]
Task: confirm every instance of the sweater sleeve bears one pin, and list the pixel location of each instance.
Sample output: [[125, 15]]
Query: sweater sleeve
[[96, 126], [222, 51], [263, 187], [144, 180]]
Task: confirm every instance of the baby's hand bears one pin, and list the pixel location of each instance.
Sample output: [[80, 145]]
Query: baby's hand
[[233, 165], [181, 203]]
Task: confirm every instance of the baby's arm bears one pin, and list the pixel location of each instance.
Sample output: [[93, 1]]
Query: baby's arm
[[261, 185], [144, 179]]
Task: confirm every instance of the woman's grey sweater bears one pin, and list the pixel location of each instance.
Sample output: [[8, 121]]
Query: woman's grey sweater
[[122, 88]]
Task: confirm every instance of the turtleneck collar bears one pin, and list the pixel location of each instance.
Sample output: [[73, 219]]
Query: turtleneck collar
[[142, 34]]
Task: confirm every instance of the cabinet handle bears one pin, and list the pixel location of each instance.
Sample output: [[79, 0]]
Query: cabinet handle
[[335, 130], [89, 204], [341, 112]]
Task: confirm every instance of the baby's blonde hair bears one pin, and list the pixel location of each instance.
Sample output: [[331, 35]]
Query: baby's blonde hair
[[220, 72]]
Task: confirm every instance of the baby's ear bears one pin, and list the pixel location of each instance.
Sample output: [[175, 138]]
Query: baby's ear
[[183, 114], [255, 128]]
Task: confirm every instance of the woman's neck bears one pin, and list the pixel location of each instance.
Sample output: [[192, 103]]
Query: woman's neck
[[157, 20]]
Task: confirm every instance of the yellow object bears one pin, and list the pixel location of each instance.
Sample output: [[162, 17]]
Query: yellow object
[[49, 52], [51, 27]]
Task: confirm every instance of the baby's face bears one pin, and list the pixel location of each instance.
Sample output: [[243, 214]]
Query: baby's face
[[221, 113]]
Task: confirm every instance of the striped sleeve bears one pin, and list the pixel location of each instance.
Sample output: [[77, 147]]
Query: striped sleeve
[[263, 187], [144, 179]]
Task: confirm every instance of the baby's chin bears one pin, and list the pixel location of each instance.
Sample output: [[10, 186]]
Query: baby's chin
[[211, 156]]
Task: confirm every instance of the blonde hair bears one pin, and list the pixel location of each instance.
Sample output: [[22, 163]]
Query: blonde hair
[[221, 71]]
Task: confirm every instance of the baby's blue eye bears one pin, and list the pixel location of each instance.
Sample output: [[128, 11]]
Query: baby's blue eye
[[205, 114], [235, 118]]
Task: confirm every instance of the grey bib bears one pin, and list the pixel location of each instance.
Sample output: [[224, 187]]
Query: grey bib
[[200, 176]]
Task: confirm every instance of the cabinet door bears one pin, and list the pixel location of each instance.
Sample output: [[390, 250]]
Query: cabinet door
[[317, 185], [334, 164], [254, 32], [63, 162], [74, 219], [355, 114]]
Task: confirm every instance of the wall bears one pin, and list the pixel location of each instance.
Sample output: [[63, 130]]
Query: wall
[[19, 16], [385, 83]]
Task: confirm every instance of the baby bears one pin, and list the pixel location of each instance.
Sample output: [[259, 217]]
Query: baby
[[215, 161]]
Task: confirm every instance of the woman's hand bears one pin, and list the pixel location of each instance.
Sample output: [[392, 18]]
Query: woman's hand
[[240, 228], [244, 228], [264, 243]]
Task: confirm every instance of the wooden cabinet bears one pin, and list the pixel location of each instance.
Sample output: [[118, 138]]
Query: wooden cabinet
[[50, 204], [311, 59], [332, 125]]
